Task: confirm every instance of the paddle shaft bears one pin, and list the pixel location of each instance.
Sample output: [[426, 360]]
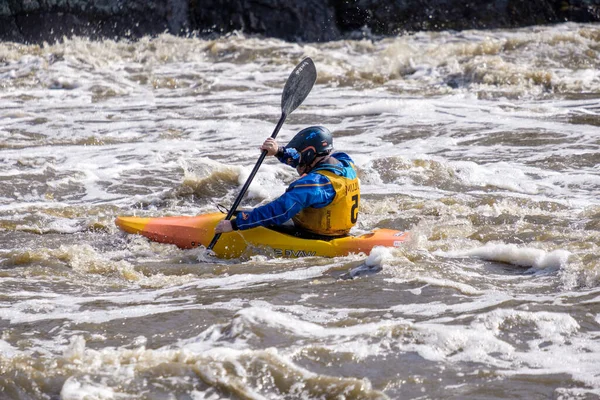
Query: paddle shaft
[[238, 200], [296, 88]]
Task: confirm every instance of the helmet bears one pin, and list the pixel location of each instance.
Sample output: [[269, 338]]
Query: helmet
[[311, 143]]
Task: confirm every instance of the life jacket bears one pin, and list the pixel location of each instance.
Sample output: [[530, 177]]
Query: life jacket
[[336, 218]]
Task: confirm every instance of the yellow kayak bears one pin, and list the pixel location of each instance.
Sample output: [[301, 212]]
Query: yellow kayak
[[194, 231]]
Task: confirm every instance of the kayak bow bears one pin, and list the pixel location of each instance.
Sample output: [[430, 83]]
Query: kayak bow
[[194, 231]]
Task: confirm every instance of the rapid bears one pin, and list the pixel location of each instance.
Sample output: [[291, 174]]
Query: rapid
[[484, 145]]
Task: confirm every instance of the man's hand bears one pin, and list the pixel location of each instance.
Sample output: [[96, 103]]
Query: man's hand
[[223, 227], [271, 146]]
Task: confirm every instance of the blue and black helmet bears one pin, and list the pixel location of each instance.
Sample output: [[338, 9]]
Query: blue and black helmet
[[312, 142]]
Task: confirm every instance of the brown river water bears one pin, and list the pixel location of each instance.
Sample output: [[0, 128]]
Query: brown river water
[[484, 145]]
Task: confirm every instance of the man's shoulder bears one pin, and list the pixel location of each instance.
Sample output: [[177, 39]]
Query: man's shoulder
[[341, 156], [311, 179]]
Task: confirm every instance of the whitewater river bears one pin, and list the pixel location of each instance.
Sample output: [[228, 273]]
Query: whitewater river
[[485, 145]]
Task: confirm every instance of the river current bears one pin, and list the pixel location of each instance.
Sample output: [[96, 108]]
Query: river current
[[485, 145]]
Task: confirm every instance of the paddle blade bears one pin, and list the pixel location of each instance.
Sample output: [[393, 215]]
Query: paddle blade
[[298, 85]]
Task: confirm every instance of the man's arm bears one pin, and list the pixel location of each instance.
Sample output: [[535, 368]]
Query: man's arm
[[311, 191]]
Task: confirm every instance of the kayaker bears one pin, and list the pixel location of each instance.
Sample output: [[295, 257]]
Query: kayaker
[[324, 201]]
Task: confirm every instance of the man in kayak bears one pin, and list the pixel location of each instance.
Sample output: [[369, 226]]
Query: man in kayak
[[324, 201]]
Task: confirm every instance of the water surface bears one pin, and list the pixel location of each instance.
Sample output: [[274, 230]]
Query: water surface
[[483, 144]]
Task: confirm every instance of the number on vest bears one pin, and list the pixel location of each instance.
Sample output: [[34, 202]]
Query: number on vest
[[354, 209]]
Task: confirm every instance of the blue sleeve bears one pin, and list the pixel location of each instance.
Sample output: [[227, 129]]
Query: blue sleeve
[[290, 157], [312, 190]]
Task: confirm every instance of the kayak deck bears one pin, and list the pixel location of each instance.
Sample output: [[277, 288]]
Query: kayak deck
[[192, 231]]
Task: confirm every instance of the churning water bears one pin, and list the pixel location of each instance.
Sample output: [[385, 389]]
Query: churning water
[[483, 144]]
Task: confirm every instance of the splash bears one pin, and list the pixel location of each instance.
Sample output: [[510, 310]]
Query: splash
[[90, 263], [250, 374], [513, 254]]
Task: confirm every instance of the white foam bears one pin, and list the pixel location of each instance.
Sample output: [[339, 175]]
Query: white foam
[[495, 175], [238, 281], [6, 350], [513, 254], [69, 308], [258, 316], [449, 283], [414, 108], [73, 389], [378, 256]]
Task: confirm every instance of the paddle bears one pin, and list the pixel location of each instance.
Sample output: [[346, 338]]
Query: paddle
[[296, 89]]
